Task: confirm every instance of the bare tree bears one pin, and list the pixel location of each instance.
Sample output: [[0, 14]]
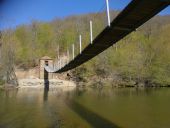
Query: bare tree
[[8, 59]]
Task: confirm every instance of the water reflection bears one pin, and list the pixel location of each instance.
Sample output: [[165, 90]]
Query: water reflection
[[46, 89], [85, 108], [80, 91], [10, 93]]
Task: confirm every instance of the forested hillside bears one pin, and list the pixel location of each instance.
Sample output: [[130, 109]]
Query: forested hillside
[[141, 57]]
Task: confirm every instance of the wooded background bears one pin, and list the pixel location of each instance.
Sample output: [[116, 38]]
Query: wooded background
[[143, 56]]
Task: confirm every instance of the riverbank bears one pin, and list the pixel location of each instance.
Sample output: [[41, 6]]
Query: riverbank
[[120, 83], [37, 83]]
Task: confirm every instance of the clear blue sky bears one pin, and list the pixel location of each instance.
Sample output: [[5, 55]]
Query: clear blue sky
[[17, 12]]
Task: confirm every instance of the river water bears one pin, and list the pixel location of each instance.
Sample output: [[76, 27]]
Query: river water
[[85, 108]]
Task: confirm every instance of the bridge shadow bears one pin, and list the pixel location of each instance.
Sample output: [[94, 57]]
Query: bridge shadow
[[92, 118]]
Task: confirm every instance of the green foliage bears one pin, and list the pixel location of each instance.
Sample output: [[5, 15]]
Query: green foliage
[[2, 82], [142, 56]]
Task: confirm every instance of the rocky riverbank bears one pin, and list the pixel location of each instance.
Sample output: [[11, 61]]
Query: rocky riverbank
[[40, 83], [30, 79], [120, 83]]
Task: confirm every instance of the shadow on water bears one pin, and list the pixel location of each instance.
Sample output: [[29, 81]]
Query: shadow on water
[[92, 118]]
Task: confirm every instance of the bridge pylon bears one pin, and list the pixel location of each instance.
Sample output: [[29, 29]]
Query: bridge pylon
[[42, 62]]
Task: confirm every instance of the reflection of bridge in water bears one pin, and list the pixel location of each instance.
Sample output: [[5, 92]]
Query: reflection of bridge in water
[[133, 16]]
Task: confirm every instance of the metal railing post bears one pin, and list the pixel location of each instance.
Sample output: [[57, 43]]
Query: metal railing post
[[108, 12], [73, 50], [80, 41], [91, 32]]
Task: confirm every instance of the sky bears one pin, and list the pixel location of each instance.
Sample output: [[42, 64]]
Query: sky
[[17, 12]]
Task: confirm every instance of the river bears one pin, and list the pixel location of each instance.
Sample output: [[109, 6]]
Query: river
[[85, 108]]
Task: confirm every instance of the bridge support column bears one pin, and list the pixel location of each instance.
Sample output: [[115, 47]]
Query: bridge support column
[[43, 74]]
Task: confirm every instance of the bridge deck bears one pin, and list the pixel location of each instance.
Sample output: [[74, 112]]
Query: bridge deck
[[132, 17]]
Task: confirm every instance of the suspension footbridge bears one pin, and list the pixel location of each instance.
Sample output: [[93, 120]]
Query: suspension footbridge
[[135, 14]]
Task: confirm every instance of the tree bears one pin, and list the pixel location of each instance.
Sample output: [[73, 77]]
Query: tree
[[8, 58]]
